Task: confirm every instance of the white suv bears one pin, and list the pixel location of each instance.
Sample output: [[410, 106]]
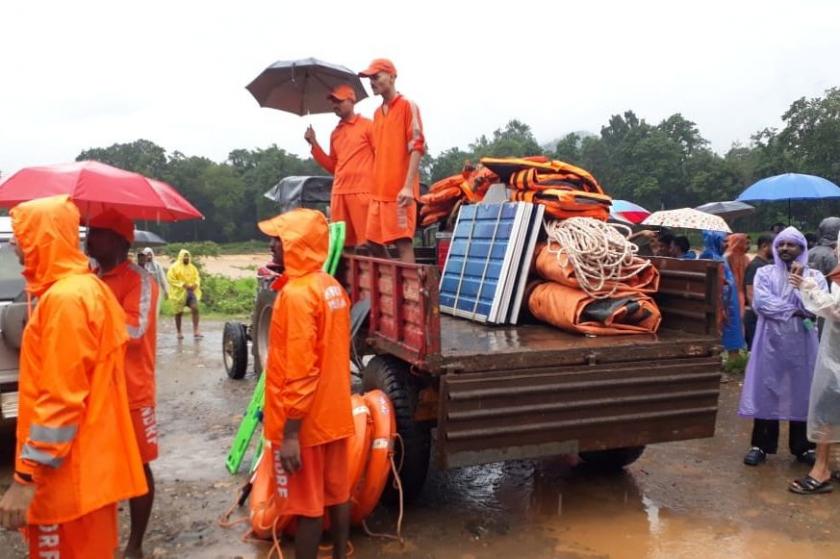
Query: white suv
[[12, 320]]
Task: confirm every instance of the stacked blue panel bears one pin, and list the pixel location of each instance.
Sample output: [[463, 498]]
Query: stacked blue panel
[[479, 244]]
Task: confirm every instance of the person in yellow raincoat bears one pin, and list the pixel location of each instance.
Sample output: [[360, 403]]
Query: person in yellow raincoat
[[184, 290]]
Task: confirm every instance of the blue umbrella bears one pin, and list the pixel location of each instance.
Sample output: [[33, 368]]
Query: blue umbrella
[[790, 186]]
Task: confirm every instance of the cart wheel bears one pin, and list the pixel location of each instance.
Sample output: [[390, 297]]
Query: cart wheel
[[611, 460], [235, 349], [260, 326], [391, 375]]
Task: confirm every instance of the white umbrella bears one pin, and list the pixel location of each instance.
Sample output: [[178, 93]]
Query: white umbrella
[[687, 218]]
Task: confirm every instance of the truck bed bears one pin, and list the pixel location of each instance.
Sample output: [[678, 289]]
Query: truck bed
[[467, 345], [405, 321], [515, 392]]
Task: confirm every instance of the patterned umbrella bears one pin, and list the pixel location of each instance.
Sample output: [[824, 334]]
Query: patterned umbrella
[[628, 211], [688, 218]]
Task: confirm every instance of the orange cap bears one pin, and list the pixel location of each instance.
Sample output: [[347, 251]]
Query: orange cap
[[116, 222], [379, 65], [343, 92]]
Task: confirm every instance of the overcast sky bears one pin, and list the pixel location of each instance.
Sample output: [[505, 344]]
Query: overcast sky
[[83, 73]]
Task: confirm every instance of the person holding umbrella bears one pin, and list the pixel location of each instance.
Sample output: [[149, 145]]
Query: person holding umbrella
[[398, 144], [350, 161], [108, 241]]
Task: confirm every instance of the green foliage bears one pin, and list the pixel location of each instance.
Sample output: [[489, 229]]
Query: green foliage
[[197, 250], [664, 165], [223, 296], [736, 364], [246, 247], [228, 296]]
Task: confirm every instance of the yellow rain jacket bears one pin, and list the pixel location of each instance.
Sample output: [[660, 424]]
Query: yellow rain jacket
[[181, 275]]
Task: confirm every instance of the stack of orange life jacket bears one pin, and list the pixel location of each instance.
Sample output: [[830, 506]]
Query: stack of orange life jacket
[[565, 190], [446, 195]]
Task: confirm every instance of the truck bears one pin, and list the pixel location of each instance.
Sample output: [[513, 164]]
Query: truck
[[467, 393]]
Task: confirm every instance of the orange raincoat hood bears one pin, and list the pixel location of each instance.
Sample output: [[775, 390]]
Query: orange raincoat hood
[[306, 240], [47, 231]]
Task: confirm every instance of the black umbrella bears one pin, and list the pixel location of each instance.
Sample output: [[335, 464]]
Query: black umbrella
[[147, 238], [302, 86], [727, 210]]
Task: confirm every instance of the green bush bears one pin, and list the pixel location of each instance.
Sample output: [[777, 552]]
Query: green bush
[[246, 247], [206, 248], [736, 364]]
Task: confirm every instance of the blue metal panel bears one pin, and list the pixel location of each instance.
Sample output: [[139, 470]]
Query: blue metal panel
[[477, 270]]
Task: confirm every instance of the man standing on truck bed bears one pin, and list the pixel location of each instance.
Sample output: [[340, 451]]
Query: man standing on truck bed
[[784, 351], [398, 144], [108, 241], [76, 453], [350, 161], [308, 414]]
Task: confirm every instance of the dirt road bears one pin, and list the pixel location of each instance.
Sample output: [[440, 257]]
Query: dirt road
[[680, 500]]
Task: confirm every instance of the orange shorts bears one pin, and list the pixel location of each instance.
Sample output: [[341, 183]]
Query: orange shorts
[[322, 481], [352, 209], [92, 535], [387, 222], [145, 430]]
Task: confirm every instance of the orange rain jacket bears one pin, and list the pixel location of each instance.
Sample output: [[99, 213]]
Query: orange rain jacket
[[396, 134], [308, 367], [137, 292], [351, 156], [74, 432]]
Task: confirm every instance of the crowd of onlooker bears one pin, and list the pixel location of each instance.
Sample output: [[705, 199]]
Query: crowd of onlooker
[[778, 303]]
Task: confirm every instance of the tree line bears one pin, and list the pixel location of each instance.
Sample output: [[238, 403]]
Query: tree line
[[657, 165]]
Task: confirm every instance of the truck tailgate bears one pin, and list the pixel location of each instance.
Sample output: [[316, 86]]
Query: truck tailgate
[[493, 415]]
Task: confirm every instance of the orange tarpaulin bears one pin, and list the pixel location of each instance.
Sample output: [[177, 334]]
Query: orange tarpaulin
[[627, 312], [549, 267]]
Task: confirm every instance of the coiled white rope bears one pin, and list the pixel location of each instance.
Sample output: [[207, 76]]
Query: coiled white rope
[[599, 253]]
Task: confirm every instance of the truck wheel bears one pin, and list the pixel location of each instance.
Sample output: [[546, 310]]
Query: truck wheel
[[391, 375], [235, 349], [260, 326], [612, 460]]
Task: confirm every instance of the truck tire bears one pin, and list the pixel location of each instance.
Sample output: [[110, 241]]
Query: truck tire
[[260, 326], [235, 349], [612, 460], [391, 375]]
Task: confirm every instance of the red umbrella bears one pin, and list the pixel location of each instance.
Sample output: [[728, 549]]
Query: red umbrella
[[95, 187]]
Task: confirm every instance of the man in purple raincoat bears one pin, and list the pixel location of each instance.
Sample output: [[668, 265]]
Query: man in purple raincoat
[[784, 351]]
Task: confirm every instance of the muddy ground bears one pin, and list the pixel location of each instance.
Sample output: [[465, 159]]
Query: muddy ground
[[680, 500]]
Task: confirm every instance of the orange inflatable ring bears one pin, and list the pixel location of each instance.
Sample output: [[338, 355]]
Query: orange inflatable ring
[[369, 490], [266, 505], [360, 443]]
